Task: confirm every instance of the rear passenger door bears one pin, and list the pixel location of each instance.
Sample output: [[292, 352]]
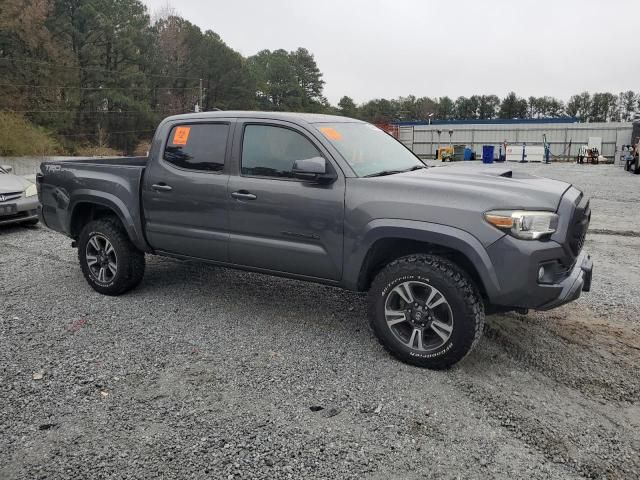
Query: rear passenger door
[[278, 222], [185, 191]]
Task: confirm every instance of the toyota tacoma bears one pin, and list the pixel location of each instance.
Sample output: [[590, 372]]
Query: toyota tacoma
[[336, 201]]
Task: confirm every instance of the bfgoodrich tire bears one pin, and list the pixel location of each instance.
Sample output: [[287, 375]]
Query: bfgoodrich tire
[[110, 263], [426, 311]]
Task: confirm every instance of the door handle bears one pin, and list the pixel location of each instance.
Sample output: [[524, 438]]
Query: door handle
[[243, 195], [161, 187]]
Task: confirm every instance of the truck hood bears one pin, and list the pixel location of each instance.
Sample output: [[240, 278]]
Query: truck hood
[[12, 183], [485, 186]]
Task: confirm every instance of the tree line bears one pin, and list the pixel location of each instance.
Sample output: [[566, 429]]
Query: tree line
[[104, 72], [599, 107]]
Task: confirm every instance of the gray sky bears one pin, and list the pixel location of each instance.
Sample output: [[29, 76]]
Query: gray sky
[[371, 48]]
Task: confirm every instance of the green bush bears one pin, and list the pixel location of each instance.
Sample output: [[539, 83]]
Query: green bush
[[20, 137]]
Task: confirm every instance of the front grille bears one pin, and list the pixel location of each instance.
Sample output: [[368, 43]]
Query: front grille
[[6, 197], [579, 226]]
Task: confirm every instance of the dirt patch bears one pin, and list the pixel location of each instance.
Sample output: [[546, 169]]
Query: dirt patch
[[575, 346], [581, 326]]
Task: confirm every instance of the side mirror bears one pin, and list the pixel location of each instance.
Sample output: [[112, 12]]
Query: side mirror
[[7, 168], [314, 169]]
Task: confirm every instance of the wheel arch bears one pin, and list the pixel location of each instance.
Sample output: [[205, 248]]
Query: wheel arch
[[385, 241], [87, 207]]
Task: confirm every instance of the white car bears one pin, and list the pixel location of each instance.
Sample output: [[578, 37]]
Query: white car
[[18, 199]]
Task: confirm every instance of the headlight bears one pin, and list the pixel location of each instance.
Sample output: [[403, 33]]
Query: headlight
[[31, 190], [524, 224]]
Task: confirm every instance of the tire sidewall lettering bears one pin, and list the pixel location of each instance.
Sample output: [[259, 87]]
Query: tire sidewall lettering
[[440, 352], [405, 278]]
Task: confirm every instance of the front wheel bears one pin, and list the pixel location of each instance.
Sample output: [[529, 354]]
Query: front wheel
[[426, 311], [109, 261]]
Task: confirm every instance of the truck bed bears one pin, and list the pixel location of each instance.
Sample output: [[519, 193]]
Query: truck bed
[[67, 185], [111, 161]]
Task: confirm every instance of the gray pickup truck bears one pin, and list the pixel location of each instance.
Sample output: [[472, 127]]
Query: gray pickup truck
[[330, 200]]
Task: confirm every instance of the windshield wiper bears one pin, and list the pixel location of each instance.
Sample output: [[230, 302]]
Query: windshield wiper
[[392, 172], [383, 173]]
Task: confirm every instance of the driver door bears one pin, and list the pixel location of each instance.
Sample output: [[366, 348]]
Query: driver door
[[277, 222]]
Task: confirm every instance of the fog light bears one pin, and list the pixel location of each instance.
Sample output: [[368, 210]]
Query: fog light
[[540, 274]]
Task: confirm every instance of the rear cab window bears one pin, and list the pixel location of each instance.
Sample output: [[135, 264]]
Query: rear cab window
[[200, 146]]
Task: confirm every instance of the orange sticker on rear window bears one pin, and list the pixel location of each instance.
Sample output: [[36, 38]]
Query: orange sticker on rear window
[[181, 135], [331, 133]]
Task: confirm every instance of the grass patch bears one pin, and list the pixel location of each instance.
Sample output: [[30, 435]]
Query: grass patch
[[20, 137], [96, 151]]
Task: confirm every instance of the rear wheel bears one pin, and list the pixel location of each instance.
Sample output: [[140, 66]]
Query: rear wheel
[[111, 264], [426, 311]]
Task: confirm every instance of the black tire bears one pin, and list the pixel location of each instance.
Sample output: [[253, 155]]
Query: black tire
[[130, 263], [462, 303]]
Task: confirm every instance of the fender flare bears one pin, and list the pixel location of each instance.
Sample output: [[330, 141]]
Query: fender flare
[[132, 225], [433, 233]]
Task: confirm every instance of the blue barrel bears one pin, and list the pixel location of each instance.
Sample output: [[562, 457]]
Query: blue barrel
[[467, 153], [487, 153]]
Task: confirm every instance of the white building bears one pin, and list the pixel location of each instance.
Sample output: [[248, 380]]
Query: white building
[[423, 139]]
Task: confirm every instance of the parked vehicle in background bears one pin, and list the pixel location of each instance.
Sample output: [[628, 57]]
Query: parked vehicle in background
[[336, 201], [18, 198]]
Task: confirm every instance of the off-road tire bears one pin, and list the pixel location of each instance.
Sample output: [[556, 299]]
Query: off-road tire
[[461, 294], [130, 260]]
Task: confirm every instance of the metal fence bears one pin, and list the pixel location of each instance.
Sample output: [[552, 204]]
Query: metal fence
[[423, 139]]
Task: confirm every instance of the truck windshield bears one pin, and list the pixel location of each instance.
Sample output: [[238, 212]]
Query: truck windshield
[[369, 150]]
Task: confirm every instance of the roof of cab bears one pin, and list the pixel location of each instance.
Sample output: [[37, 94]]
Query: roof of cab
[[286, 116]]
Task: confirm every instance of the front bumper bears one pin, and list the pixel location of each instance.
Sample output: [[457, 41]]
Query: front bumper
[[516, 264], [578, 281], [25, 210]]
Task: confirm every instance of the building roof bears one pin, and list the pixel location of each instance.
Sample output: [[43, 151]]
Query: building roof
[[493, 121]]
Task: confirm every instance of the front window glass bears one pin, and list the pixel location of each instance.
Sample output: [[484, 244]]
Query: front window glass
[[369, 150], [269, 151]]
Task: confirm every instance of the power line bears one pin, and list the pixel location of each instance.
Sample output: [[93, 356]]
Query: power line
[[93, 69], [106, 133], [124, 112], [95, 88]]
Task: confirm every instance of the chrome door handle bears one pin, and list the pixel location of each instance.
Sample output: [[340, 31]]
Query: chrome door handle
[[243, 195], [161, 187]]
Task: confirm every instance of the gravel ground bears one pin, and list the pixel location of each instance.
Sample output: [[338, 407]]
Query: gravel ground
[[204, 372]]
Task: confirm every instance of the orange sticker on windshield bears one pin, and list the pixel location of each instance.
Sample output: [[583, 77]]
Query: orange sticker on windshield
[[181, 135], [331, 133]]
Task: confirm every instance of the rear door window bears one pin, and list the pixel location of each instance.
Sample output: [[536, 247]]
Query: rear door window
[[197, 146]]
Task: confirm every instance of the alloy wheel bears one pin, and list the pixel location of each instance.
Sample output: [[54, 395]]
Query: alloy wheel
[[419, 315], [101, 258]]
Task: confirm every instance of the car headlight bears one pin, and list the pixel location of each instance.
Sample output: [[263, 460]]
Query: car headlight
[[31, 190], [527, 225]]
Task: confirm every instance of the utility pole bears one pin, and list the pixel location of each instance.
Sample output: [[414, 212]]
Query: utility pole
[[201, 97]]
